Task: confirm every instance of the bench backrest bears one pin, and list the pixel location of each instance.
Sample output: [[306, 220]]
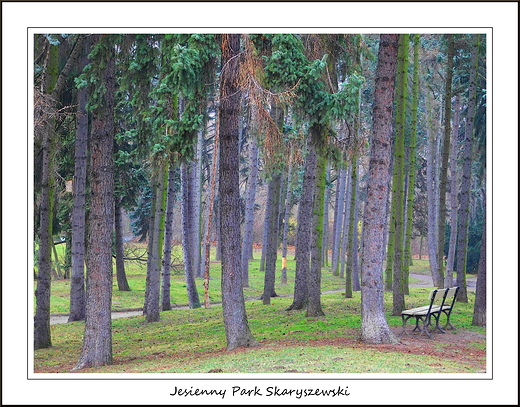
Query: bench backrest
[[442, 294]]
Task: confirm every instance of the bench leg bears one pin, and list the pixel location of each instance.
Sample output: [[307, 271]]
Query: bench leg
[[448, 322], [448, 326], [417, 328], [426, 323], [423, 329], [404, 325], [437, 326]]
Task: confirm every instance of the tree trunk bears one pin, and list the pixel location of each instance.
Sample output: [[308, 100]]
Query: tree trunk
[[464, 195], [218, 249], [345, 226], [52, 85], [273, 218], [338, 220], [303, 231], [210, 211], [168, 232], [354, 250], [195, 200], [352, 232], [443, 179], [390, 248], [187, 218], [207, 243], [58, 273], [233, 305], [314, 275], [42, 331], [187, 241], [122, 282], [453, 194], [97, 340], [374, 327], [412, 170], [432, 186], [286, 216], [249, 216], [67, 263], [77, 281], [326, 201], [150, 244], [272, 214], [152, 309], [265, 236], [479, 311], [398, 191]]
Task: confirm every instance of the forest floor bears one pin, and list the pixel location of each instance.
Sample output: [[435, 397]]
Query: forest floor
[[459, 346], [422, 281]]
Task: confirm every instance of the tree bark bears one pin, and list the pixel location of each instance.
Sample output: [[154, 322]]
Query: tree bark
[[479, 310], [303, 231], [286, 217], [249, 216], [52, 86], [345, 226], [398, 190], [152, 310], [97, 340], [354, 250], [273, 218], [187, 241], [338, 220], [464, 195], [265, 236], [67, 266], [187, 217], [443, 178], [233, 305], [77, 284], [77, 281], [351, 235], [412, 170], [207, 243], [150, 244], [453, 193], [271, 249], [168, 233], [326, 201], [314, 275], [218, 249], [432, 186], [195, 236], [42, 331], [374, 327], [122, 282]]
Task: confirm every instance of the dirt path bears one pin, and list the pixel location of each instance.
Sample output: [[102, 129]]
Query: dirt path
[[422, 281], [427, 281]]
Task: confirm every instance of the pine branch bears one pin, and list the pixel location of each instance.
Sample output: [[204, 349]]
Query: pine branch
[[60, 83]]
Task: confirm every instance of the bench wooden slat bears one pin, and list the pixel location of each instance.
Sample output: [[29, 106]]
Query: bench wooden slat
[[421, 310]]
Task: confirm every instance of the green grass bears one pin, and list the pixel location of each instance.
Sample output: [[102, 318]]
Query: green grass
[[136, 275], [420, 267], [193, 340]]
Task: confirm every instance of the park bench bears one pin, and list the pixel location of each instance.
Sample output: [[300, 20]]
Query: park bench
[[441, 301]]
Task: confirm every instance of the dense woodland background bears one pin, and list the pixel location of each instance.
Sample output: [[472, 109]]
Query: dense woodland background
[[280, 141]]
